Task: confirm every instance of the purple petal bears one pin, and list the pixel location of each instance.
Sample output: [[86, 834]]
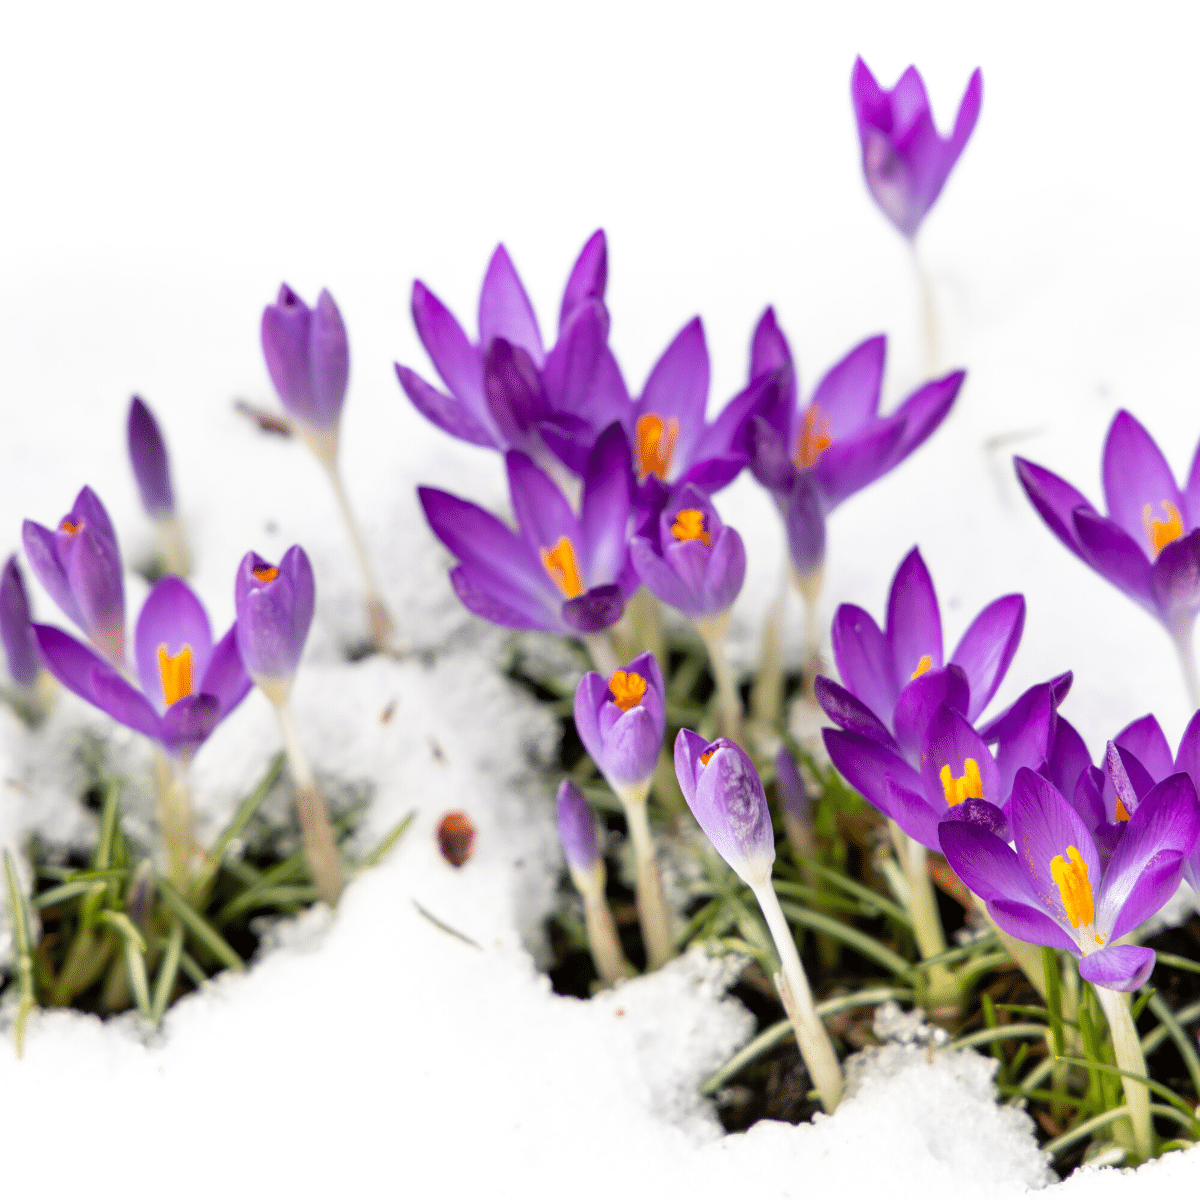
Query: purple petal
[[920, 699], [588, 277], [225, 677], [789, 787], [449, 414], [769, 349], [576, 827], [923, 412], [911, 811], [597, 609], [540, 508], [725, 572], [845, 710], [188, 723], [868, 767], [69, 661], [1136, 475], [172, 618], [805, 520], [1056, 501], [848, 466], [729, 804], [1113, 553], [284, 332], [458, 362], [659, 577], [124, 703], [848, 395], [1031, 925], [499, 601], [97, 580], [770, 462], [1121, 968], [678, 388], [16, 629], [689, 747], [985, 862], [1068, 759], [505, 311], [148, 456], [632, 746], [516, 399], [950, 740], [914, 625], [864, 660], [329, 361], [1175, 579], [987, 649], [41, 550], [570, 367], [1118, 775], [1028, 735], [982, 813], [604, 510], [1188, 758]]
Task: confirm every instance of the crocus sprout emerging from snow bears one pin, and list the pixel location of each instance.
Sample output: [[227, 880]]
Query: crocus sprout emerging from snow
[[905, 160], [308, 359], [577, 832], [152, 471], [1054, 889], [79, 564], [726, 796], [1148, 545], [621, 722], [695, 563], [188, 685], [560, 572], [274, 611]]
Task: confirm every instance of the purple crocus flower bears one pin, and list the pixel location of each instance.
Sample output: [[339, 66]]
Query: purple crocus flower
[[274, 607], [621, 720], [726, 797], [148, 455], [689, 558], [308, 360], [505, 391], [1054, 890], [1149, 544], [79, 564], [905, 159], [900, 675], [559, 572], [957, 776], [16, 627], [577, 829], [188, 684], [813, 456]]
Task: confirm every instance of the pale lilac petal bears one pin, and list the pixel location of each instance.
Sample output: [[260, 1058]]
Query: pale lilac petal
[[848, 466], [588, 277], [949, 741], [848, 395], [864, 660], [172, 618], [505, 311], [846, 711], [1135, 475], [1145, 740], [678, 387], [920, 699], [448, 413], [542, 512], [689, 747], [1031, 925], [1056, 501], [987, 649], [454, 358], [914, 624], [1120, 968], [1109, 550]]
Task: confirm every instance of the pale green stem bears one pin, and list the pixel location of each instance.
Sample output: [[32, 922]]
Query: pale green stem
[[792, 984], [927, 921], [1127, 1047], [1027, 957], [651, 907], [172, 542], [810, 584], [320, 850], [602, 934], [645, 619], [603, 655], [174, 815], [766, 697], [929, 321], [729, 700], [1187, 662]]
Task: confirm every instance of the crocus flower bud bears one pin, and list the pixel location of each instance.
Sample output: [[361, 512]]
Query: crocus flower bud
[[621, 720], [16, 629], [577, 829], [726, 797], [79, 564], [309, 362], [148, 454], [274, 611]]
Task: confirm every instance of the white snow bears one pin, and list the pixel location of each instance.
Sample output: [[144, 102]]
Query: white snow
[[167, 168]]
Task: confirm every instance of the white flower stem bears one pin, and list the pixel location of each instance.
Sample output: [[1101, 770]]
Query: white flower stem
[[383, 632], [766, 697], [600, 650], [1027, 957], [602, 934], [929, 321], [172, 541], [1182, 638], [811, 1036], [810, 584], [944, 991], [1128, 1049], [320, 850], [646, 622], [729, 700], [174, 815], [651, 907]]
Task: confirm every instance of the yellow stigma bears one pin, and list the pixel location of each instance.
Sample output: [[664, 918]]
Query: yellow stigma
[[1073, 886], [1162, 533], [969, 786], [561, 566], [266, 574], [1122, 811], [655, 443], [814, 440], [627, 690], [689, 526], [176, 673], [923, 666], [69, 526]]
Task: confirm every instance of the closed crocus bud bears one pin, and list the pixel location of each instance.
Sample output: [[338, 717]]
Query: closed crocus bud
[[726, 797], [621, 720], [16, 629], [274, 611], [309, 362], [577, 829], [148, 454], [79, 564]]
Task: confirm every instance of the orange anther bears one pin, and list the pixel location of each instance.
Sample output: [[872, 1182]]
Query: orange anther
[[1122, 811], [706, 756], [266, 574], [814, 440], [627, 690], [69, 526], [1162, 533], [655, 441], [175, 673], [561, 566], [969, 786], [1071, 876], [923, 666], [689, 526]]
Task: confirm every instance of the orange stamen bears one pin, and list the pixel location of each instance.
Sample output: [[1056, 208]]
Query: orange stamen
[[176, 673], [689, 526], [1122, 811], [266, 574], [1074, 887], [923, 666], [561, 566], [815, 439], [627, 690], [969, 786], [706, 756], [655, 443], [69, 526], [1162, 533]]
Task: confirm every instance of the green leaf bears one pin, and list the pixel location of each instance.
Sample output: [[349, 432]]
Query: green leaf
[[866, 945], [1000, 1033], [124, 927], [381, 850], [1183, 1043], [854, 888], [1086, 1129], [167, 972], [1054, 997], [18, 911], [1176, 960], [199, 928]]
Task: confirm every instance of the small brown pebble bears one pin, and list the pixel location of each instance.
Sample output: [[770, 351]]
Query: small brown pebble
[[456, 837], [388, 712]]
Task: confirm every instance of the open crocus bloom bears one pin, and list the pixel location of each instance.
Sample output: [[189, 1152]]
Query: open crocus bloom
[[905, 159], [506, 391], [1149, 544], [559, 572], [188, 684], [814, 455], [1053, 889], [621, 720], [957, 775], [899, 674]]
